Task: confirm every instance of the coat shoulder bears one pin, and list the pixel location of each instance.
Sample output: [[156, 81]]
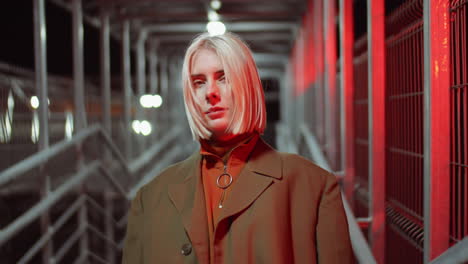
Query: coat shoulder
[[299, 169], [293, 162], [174, 173]]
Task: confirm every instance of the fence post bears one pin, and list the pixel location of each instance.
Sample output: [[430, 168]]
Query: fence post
[[376, 104], [436, 127], [127, 89], [347, 95], [40, 54]]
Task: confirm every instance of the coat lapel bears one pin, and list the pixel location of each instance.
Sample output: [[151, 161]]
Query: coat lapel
[[263, 166], [189, 199]]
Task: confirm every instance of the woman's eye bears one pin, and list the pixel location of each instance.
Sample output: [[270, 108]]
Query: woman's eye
[[198, 83], [222, 78]]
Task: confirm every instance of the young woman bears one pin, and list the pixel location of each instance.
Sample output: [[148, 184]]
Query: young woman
[[236, 200]]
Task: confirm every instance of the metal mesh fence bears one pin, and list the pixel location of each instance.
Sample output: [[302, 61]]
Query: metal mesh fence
[[459, 121]]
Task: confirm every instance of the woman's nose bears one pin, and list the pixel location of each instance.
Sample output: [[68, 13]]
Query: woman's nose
[[212, 93]]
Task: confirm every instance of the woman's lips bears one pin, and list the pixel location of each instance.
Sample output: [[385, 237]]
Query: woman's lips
[[215, 112]]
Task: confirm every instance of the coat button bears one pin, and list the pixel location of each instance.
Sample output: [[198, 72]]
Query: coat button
[[186, 249]]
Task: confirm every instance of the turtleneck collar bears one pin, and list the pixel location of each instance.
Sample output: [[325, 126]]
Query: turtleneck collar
[[222, 150]]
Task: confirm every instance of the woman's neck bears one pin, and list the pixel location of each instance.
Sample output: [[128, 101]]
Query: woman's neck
[[220, 148]]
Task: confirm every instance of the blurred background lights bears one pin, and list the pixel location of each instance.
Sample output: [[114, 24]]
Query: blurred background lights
[[216, 28], [34, 101], [213, 16], [145, 128], [141, 127], [215, 4], [149, 101], [136, 126]]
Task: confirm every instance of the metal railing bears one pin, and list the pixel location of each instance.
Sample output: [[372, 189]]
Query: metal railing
[[84, 201], [454, 255]]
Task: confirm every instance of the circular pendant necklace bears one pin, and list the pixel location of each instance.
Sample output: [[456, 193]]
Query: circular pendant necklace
[[223, 185]]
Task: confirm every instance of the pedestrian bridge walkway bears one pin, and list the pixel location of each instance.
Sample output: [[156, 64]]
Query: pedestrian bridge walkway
[[91, 109]]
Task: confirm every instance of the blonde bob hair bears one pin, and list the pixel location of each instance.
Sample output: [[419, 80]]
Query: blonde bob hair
[[249, 112]]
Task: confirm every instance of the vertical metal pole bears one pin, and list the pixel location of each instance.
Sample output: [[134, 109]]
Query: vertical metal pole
[[153, 64], [330, 76], [40, 53], [325, 76], [80, 111], [376, 104], [105, 72], [141, 63], [110, 253], [436, 128], [347, 95], [106, 105], [300, 61], [153, 86], [164, 89], [127, 89], [78, 66], [141, 81]]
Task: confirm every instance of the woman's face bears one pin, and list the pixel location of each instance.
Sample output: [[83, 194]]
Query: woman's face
[[212, 93]]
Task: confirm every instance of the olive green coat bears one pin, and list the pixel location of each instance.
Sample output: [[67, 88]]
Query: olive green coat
[[281, 209]]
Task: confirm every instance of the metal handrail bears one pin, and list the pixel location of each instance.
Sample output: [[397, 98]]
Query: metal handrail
[[42, 157], [146, 157], [455, 254], [52, 230], [75, 180], [45, 204], [361, 248]]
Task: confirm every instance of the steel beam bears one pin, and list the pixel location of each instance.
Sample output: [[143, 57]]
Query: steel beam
[[40, 54], [347, 95], [330, 81], [153, 70], [105, 72], [78, 66], [247, 36], [141, 63], [232, 26], [127, 89], [436, 32], [376, 99]]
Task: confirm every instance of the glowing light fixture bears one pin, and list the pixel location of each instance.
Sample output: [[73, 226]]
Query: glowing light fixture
[[142, 127], [68, 125], [213, 16], [34, 101], [145, 128], [215, 4], [157, 101], [148, 100], [136, 126], [216, 28], [35, 128]]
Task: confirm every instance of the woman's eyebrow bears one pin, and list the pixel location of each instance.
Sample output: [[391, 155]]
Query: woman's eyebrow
[[194, 76]]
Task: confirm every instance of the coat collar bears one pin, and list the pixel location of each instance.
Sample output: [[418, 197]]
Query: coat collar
[[262, 168]]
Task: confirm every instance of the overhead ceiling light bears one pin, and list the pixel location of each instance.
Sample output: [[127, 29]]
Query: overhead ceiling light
[[148, 100], [34, 101], [216, 28], [215, 4], [213, 16]]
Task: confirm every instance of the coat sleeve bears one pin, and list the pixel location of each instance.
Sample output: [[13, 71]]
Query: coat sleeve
[[333, 242], [133, 250]]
